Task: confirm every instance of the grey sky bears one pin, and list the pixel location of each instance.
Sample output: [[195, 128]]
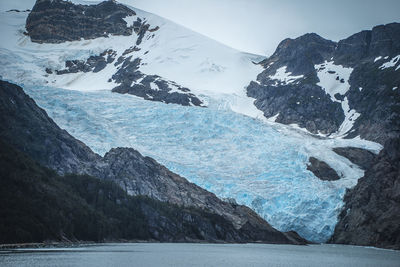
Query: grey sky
[[257, 26]]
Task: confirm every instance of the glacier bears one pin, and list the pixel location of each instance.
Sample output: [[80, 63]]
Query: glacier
[[262, 165]]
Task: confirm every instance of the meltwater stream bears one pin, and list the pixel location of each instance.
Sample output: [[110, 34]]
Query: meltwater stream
[[227, 153]]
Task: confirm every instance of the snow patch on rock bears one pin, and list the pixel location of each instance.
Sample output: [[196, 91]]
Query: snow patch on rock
[[391, 63], [282, 77], [333, 79]]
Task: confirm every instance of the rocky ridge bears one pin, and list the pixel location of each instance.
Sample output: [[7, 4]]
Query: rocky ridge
[[38, 205]]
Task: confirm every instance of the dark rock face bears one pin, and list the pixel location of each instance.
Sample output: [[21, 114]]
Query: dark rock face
[[29, 129], [38, 205], [150, 87], [322, 170], [303, 102], [93, 63], [382, 40], [56, 21], [297, 104], [377, 102], [300, 101], [301, 54], [371, 215], [358, 156]]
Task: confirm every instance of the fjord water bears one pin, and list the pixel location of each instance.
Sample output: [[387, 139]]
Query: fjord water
[[156, 254], [235, 156]]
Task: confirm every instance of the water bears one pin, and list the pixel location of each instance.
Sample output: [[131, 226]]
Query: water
[[232, 255], [260, 165]]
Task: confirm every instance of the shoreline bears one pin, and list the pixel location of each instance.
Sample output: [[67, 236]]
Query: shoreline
[[77, 244]]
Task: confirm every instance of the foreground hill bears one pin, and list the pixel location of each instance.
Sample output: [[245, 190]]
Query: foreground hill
[[38, 205]]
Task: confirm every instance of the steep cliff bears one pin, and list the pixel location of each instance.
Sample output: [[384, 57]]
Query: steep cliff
[[371, 215]]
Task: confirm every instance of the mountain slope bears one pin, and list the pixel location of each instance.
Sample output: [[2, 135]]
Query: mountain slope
[[136, 174], [370, 216], [160, 61], [344, 89]]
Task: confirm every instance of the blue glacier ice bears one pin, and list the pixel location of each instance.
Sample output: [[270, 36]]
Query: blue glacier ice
[[229, 154]]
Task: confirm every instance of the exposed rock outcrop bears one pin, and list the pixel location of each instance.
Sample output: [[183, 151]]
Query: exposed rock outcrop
[[29, 129], [322, 170], [56, 21], [371, 215], [358, 156], [298, 100], [150, 87]]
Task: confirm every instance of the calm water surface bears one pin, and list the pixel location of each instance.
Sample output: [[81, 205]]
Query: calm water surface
[[232, 255]]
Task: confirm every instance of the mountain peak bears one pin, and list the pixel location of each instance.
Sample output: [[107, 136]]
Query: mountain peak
[[308, 41], [301, 54]]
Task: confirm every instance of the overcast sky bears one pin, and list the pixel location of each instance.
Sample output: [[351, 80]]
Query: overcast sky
[[257, 26]]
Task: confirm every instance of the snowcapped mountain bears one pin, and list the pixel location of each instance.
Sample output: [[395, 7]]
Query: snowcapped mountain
[[348, 88], [70, 70]]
